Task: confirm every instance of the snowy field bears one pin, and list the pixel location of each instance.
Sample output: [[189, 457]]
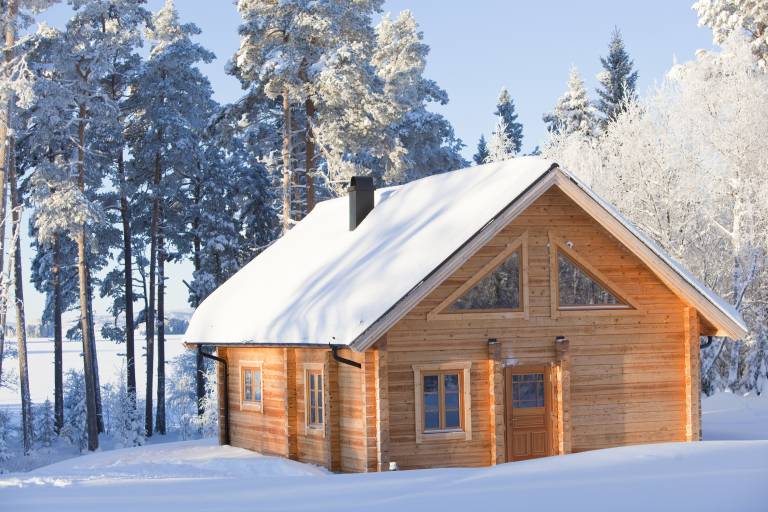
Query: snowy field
[[111, 357], [718, 475]]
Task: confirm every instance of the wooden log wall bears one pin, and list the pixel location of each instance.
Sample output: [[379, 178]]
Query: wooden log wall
[[627, 378]]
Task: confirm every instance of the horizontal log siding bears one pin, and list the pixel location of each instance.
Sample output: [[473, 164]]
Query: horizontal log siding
[[265, 432], [627, 370]]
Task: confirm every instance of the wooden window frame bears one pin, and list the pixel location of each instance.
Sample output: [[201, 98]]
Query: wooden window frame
[[464, 433], [630, 306], [520, 244], [315, 428], [251, 405]]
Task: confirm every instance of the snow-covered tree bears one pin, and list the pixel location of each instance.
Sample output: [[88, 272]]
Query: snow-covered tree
[[505, 111], [748, 17], [169, 104], [75, 410], [5, 433], [573, 112], [427, 137], [501, 147], [687, 166], [124, 420], [481, 155], [617, 79], [44, 428]]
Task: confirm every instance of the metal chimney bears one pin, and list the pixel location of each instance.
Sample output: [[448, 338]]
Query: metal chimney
[[360, 199]]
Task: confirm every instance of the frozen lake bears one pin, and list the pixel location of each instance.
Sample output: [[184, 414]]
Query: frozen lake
[[111, 358]]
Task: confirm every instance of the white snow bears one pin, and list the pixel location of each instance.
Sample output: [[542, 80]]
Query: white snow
[[111, 357], [186, 476], [199, 475], [321, 283], [736, 417]]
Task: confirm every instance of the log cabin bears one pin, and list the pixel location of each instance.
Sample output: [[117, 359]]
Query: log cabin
[[487, 315]]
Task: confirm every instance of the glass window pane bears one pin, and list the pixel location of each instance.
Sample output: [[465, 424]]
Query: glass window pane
[[451, 400], [257, 385], [431, 420], [430, 383], [247, 384], [498, 290], [452, 383], [319, 391], [577, 288], [431, 401], [320, 414], [312, 415], [452, 419]]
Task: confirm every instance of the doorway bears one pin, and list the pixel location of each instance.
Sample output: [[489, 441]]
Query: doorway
[[528, 411]]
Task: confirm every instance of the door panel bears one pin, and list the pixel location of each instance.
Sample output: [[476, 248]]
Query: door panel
[[528, 409]]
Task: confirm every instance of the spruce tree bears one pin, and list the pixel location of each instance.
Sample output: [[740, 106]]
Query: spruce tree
[[482, 151], [573, 112], [617, 80], [501, 147], [505, 111]]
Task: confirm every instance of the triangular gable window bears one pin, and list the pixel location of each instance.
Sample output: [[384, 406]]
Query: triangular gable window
[[500, 289], [578, 289]]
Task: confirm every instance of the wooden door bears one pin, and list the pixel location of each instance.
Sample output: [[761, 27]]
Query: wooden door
[[528, 411]]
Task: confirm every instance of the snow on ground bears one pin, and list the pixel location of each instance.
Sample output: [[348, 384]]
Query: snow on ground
[[727, 472], [727, 416], [199, 476], [111, 357]]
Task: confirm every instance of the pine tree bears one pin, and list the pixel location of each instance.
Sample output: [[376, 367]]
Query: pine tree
[[573, 112], [505, 111], [170, 103], [617, 79], [285, 57], [482, 152], [427, 137], [501, 147], [747, 17], [44, 427], [76, 410]]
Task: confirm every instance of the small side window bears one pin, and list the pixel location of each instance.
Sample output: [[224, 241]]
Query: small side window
[[251, 386], [314, 403]]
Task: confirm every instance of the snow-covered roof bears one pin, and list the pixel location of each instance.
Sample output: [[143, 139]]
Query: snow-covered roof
[[324, 284]]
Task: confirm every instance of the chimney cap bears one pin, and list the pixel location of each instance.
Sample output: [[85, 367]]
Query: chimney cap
[[361, 182]]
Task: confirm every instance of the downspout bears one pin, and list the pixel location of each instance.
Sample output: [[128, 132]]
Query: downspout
[[344, 360], [226, 388]]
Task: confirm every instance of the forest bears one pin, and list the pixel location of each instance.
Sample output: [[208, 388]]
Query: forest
[[114, 147]]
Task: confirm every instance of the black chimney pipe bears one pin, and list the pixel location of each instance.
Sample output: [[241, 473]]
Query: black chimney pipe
[[360, 199]]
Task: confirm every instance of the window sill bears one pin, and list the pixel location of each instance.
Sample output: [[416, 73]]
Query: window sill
[[314, 430], [251, 406], [444, 435]]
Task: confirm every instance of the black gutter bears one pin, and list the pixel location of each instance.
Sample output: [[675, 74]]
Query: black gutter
[[344, 360], [226, 389]]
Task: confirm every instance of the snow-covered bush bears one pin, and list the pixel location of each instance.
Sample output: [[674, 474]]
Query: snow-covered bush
[[43, 431], [75, 410], [122, 419], [182, 398], [5, 433], [687, 165]]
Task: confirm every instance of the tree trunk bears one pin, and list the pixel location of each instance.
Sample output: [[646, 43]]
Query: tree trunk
[[286, 162], [150, 319], [160, 419], [130, 354], [94, 355], [82, 271], [309, 160], [18, 282], [196, 260], [11, 11], [58, 340]]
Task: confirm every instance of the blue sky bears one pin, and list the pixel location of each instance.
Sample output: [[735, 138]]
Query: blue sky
[[476, 49]]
